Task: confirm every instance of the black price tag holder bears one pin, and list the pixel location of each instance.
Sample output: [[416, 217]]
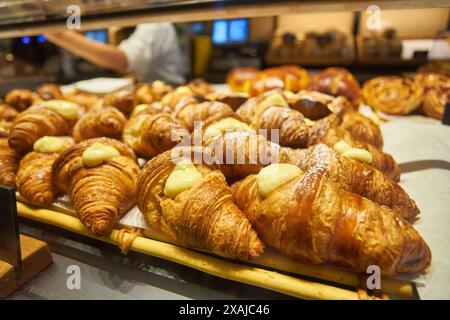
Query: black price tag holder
[[446, 117], [10, 250]]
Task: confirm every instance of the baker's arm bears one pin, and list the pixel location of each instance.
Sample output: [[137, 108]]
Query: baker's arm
[[104, 55]]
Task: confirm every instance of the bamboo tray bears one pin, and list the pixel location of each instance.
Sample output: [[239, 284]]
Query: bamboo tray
[[261, 272]]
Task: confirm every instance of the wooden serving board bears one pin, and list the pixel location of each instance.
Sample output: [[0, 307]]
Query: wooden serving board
[[261, 272], [36, 256]]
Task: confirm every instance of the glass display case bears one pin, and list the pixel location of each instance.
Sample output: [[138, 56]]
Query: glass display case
[[264, 36]]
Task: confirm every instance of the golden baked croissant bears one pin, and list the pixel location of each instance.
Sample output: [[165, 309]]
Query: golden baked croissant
[[34, 176], [356, 177], [393, 95], [190, 111], [200, 214], [361, 127], [100, 176], [241, 153], [200, 87], [9, 160], [290, 124], [48, 118], [100, 122], [50, 91], [150, 134], [85, 99], [173, 98], [151, 92], [308, 217], [124, 100], [20, 99], [151, 108], [327, 131], [7, 116]]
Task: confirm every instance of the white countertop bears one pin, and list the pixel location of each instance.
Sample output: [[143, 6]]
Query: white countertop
[[422, 148]]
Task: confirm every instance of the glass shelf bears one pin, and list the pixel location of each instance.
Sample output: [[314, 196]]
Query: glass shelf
[[31, 17]]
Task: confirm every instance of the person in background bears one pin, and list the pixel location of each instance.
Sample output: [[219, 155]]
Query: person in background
[[152, 52]]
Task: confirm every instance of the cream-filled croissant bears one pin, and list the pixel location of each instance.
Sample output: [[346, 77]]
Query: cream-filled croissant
[[308, 217], [34, 177], [190, 202], [100, 176], [349, 170], [48, 118], [329, 132]]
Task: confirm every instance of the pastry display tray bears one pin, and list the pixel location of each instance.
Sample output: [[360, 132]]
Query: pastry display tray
[[272, 271], [422, 149]]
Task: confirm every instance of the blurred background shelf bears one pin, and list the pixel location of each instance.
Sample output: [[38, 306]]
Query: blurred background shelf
[[217, 36]]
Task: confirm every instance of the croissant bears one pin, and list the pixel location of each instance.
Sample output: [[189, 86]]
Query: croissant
[[147, 93], [34, 176], [20, 99], [41, 120], [150, 134], [393, 95], [100, 122], [200, 87], [8, 162], [290, 124], [327, 131], [189, 112], [310, 218], [124, 100], [238, 154], [152, 108], [7, 116], [85, 99], [361, 127], [173, 98], [49, 91], [356, 177], [203, 216], [102, 192], [337, 82]]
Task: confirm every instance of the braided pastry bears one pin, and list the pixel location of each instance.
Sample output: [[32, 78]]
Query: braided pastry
[[393, 95], [436, 95]]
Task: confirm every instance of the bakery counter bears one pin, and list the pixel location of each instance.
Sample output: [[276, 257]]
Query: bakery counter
[[107, 274]]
